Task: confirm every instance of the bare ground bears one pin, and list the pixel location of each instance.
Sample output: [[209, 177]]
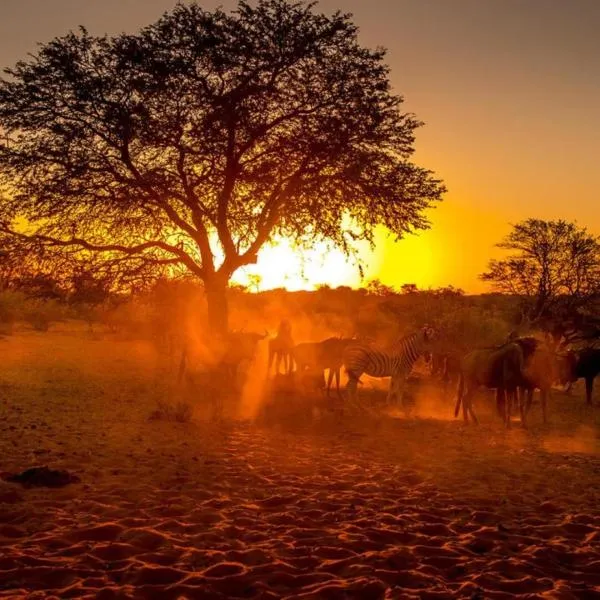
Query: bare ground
[[302, 503]]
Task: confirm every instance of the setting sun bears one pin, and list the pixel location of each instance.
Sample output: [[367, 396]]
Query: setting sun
[[282, 266], [413, 259]]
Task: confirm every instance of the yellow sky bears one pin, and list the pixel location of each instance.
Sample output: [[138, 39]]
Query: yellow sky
[[509, 91]]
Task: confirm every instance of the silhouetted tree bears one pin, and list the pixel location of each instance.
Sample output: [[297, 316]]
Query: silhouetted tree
[[554, 267], [194, 142], [376, 288]]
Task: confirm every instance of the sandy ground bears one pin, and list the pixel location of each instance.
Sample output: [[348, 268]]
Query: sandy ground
[[300, 505]]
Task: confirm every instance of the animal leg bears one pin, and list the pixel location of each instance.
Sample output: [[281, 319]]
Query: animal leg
[[467, 406], [459, 394], [473, 415], [286, 364], [466, 402], [271, 359], [351, 387], [329, 380], [529, 401], [337, 381], [524, 405], [508, 408]]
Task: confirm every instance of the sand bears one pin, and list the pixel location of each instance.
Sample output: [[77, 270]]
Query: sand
[[303, 504]]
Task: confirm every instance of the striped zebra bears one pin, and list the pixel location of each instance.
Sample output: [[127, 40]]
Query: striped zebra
[[397, 364]]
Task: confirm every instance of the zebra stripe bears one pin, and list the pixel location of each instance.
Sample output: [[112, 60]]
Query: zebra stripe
[[375, 363]]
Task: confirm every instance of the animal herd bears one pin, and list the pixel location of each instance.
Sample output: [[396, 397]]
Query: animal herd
[[514, 369]]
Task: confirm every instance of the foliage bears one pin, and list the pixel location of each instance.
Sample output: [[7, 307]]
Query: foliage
[[554, 267], [11, 303], [188, 146], [376, 288], [40, 314]]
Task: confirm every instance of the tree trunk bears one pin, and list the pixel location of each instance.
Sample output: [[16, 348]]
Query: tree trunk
[[218, 309]]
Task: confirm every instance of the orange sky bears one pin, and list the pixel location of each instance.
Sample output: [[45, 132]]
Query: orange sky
[[509, 91]]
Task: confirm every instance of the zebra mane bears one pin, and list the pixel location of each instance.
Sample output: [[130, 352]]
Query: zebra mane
[[400, 343]]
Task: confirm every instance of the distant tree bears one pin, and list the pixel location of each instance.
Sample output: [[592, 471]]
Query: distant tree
[[376, 288], [448, 291], [409, 288], [193, 143], [554, 267]]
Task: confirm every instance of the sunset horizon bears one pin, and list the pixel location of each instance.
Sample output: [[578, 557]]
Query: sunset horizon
[[285, 316], [500, 134]]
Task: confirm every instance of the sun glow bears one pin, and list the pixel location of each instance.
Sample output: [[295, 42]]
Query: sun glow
[[414, 259], [281, 265]]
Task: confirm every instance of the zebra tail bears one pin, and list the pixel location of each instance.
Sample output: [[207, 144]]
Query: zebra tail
[[459, 394]]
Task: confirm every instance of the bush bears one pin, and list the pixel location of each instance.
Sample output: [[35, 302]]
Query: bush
[[40, 314], [11, 306]]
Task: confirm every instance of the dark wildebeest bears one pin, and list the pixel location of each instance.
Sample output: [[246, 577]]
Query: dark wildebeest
[[326, 354], [497, 368], [583, 364], [540, 371], [445, 366], [233, 350], [280, 349]]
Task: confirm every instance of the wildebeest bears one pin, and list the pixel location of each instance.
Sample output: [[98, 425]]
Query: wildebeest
[[540, 371], [326, 354], [499, 368], [229, 353], [280, 348], [583, 364], [445, 366]]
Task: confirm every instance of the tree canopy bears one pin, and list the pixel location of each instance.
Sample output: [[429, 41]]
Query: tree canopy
[[554, 266], [194, 142]]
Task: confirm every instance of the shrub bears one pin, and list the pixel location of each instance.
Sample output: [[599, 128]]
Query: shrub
[[40, 314], [11, 306]]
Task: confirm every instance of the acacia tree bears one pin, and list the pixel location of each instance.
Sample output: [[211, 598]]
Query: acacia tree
[[193, 143], [554, 267]]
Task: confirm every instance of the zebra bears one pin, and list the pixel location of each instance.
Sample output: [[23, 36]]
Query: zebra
[[359, 359], [280, 348]]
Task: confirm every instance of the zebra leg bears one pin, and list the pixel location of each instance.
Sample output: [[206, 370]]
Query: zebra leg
[[391, 392], [351, 390]]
